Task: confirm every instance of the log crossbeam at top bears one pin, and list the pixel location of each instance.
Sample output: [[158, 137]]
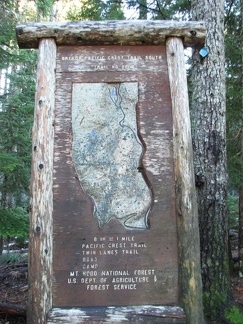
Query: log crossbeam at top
[[114, 32]]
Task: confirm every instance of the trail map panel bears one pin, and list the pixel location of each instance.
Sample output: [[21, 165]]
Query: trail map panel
[[115, 237]]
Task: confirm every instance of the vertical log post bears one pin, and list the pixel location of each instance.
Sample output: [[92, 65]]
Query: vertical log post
[[190, 294], [40, 254]]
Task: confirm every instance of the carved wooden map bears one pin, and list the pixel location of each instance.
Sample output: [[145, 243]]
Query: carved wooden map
[[107, 152], [115, 237]]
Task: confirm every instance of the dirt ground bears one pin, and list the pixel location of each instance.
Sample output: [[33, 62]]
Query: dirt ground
[[13, 293], [14, 287]]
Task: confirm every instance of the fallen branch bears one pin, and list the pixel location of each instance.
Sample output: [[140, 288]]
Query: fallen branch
[[13, 309]]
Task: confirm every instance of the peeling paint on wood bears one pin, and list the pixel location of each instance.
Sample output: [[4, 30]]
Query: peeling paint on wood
[[74, 222], [146, 314], [127, 32]]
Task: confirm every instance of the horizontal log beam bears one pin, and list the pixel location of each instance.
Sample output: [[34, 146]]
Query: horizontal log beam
[[119, 32], [129, 314]]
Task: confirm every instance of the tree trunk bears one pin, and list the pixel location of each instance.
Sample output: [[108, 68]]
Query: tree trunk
[[1, 245], [209, 144], [241, 189], [241, 229], [4, 205]]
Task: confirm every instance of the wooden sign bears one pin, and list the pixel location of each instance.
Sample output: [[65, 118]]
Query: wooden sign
[[112, 172], [115, 236]]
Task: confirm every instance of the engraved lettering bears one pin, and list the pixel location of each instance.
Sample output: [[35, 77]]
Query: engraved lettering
[[144, 272], [128, 238], [130, 251], [93, 246], [130, 279], [138, 245], [115, 273], [88, 280], [90, 266], [89, 252], [127, 287], [87, 259], [97, 287], [108, 252], [90, 273], [116, 245]]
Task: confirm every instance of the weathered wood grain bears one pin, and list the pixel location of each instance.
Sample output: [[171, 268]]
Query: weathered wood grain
[[131, 314], [46, 36], [41, 241], [190, 291], [127, 32], [74, 222]]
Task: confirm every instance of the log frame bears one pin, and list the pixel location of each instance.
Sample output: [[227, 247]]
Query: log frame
[[47, 37], [41, 229], [126, 32], [190, 286]]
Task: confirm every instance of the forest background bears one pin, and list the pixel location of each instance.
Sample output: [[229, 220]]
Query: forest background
[[17, 91]]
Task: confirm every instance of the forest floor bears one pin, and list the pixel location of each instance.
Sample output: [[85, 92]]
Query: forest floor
[[14, 288], [13, 292]]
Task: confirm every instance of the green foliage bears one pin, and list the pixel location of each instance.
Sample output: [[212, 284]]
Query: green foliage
[[16, 120], [14, 222], [96, 10], [233, 50], [38, 10], [173, 9], [9, 258], [7, 26], [89, 10], [16, 116], [113, 11], [216, 297], [233, 210], [234, 315], [44, 8], [8, 162], [162, 9]]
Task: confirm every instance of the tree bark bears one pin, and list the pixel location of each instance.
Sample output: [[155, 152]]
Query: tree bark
[[209, 144], [1, 245], [41, 241], [241, 229], [241, 189], [190, 293]]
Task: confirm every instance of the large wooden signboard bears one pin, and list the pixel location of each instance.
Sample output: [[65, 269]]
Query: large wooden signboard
[[115, 235], [113, 199]]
